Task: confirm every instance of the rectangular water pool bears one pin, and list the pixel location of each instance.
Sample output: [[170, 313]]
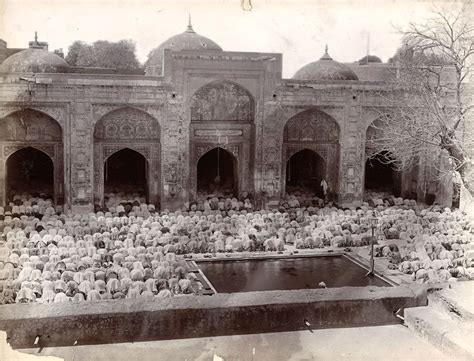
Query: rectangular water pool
[[286, 274]]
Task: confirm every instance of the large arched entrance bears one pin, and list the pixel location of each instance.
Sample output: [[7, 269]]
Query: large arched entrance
[[127, 156], [380, 174], [222, 120], [217, 173], [30, 172], [311, 154], [31, 156], [125, 173], [304, 172]]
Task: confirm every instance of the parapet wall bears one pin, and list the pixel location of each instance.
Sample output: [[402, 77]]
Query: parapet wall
[[131, 320]]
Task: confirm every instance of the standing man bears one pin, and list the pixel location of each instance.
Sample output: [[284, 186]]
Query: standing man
[[324, 186]]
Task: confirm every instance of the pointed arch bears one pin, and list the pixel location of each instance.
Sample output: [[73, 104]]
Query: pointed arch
[[125, 171], [305, 169], [133, 129], [127, 123], [29, 125], [217, 172], [380, 174], [32, 128], [29, 170], [312, 130], [312, 125]]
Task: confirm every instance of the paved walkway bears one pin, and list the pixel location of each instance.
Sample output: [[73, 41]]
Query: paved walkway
[[386, 343]]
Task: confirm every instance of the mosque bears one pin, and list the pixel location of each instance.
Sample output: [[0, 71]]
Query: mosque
[[197, 120]]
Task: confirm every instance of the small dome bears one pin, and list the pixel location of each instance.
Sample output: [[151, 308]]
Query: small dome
[[369, 59], [189, 40], [325, 69], [34, 60]]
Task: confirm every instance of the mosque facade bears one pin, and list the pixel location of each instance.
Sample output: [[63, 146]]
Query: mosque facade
[[198, 112]]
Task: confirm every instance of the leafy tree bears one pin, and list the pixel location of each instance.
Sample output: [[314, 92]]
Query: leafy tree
[[103, 54]]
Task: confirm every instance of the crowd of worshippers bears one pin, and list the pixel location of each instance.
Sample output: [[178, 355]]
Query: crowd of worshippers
[[49, 255]]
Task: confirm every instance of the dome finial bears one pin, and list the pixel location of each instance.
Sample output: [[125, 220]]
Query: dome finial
[[35, 44], [190, 26], [326, 54]]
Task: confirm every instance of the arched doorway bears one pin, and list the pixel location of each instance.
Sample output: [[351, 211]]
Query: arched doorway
[[311, 154], [29, 172], [380, 174], [217, 173], [222, 116], [125, 174], [31, 155], [304, 172], [127, 136]]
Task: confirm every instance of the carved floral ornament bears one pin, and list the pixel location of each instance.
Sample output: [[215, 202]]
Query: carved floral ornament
[[222, 101], [311, 126], [233, 149], [127, 123], [143, 151], [323, 152], [47, 149]]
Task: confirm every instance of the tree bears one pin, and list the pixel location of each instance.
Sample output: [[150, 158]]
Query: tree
[[103, 54], [428, 104]]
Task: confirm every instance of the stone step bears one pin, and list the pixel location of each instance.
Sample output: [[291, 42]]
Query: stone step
[[457, 300], [451, 336]]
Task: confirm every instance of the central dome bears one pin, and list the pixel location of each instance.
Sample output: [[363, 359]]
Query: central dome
[[325, 69], [189, 40]]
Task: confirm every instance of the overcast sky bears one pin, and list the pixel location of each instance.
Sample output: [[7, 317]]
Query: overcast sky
[[297, 28]]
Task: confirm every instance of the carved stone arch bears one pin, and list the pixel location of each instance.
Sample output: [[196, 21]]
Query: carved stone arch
[[223, 100], [23, 127], [314, 130], [102, 110], [225, 159], [12, 149], [372, 132], [373, 114], [127, 123], [5, 111], [110, 151], [54, 112], [319, 150], [30, 125], [133, 128], [312, 125], [231, 148]]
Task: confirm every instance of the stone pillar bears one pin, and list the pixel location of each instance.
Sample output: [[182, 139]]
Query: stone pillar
[[80, 151], [268, 155], [352, 156], [174, 155], [3, 176]]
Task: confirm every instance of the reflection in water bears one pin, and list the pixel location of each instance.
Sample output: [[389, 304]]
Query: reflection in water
[[286, 274]]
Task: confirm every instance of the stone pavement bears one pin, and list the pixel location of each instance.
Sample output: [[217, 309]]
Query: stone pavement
[[448, 320], [386, 343]]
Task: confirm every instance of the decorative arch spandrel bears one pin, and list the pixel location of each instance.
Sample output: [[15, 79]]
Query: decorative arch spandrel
[[127, 124], [29, 125], [222, 101], [312, 126]]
